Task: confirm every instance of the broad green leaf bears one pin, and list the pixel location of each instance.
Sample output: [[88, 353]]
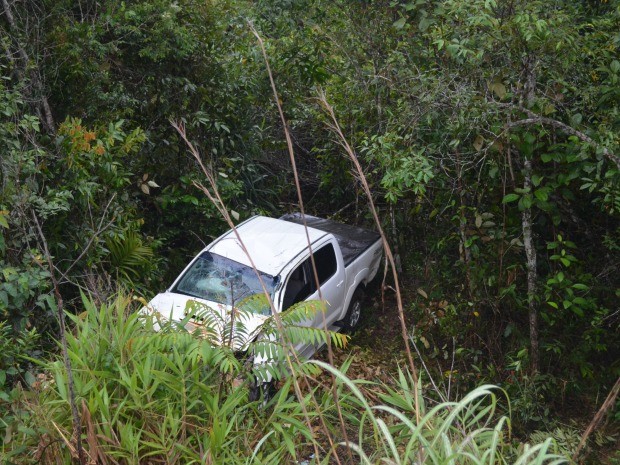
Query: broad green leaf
[[536, 180], [3, 221], [510, 198], [478, 142], [525, 202], [577, 310], [542, 194], [399, 24]]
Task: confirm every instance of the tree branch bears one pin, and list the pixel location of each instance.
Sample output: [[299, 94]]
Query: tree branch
[[77, 424], [35, 76], [335, 127], [606, 407], [100, 229], [535, 119]]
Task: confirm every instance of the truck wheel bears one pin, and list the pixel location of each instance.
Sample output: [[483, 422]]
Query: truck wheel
[[262, 392], [354, 312]]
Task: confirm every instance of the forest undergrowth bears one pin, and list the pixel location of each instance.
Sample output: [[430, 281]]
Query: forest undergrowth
[[169, 396]]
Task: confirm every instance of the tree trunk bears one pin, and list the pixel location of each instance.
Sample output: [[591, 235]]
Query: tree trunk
[[530, 254], [464, 251]]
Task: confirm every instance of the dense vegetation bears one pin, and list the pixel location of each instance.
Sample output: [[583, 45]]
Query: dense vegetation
[[488, 131]]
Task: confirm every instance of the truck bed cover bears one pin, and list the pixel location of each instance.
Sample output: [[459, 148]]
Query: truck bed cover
[[353, 240]]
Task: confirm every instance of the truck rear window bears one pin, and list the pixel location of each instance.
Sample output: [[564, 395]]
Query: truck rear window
[[301, 282], [326, 264], [221, 280]]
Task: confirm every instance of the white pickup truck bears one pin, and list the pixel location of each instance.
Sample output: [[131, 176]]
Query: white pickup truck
[[346, 259]]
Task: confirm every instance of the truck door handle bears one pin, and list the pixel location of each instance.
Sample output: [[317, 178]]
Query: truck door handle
[[340, 283]]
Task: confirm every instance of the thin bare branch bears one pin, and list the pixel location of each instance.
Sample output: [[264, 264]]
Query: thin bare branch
[[96, 234], [291, 151], [35, 75], [609, 403], [335, 126], [77, 425]]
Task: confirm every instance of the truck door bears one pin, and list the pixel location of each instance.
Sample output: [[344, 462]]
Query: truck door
[[330, 271], [297, 288], [301, 285]]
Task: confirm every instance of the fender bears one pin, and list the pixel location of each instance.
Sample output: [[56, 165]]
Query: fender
[[358, 281]]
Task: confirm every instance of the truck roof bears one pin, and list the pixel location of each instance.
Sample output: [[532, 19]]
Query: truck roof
[[353, 240], [272, 243]]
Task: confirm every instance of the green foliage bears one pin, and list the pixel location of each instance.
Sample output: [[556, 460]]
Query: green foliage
[[24, 297], [443, 101], [566, 439], [14, 345], [267, 339], [460, 89], [148, 395], [467, 431], [15, 375], [130, 258], [405, 168], [76, 187], [570, 294], [78, 192], [146, 62], [531, 395]]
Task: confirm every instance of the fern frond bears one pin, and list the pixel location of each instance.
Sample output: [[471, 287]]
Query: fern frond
[[129, 257], [255, 304]]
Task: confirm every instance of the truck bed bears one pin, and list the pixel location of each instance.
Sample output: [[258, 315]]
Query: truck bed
[[353, 241]]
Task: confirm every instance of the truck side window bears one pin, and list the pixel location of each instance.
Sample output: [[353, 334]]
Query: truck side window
[[326, 264], [299, 286]]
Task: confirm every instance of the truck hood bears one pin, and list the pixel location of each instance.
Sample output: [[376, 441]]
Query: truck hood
[[211, 320]]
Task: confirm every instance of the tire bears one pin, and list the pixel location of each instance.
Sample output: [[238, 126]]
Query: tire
[[354, 311], [262, 392]]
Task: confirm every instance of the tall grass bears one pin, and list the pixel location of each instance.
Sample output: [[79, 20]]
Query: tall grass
[[151, 397], [465, 432]]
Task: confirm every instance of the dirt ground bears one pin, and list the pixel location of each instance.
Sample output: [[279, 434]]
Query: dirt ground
[[376, 347]]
